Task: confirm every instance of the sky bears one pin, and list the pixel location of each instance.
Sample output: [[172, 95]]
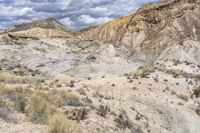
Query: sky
[[75, 14]]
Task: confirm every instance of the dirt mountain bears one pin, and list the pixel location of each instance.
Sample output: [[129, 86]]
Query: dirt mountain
[[49, 23], [39, 29], [166, 30]]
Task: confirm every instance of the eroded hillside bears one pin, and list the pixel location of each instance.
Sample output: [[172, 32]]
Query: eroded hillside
[[168, 30]]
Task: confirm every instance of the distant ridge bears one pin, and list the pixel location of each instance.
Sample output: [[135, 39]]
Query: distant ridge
[[49, 23]]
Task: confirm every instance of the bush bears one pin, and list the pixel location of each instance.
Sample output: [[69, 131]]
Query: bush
[[4, 109], [17, 96], [103, 110], [59, 123], [122, 120], [174, 72], [183, 97], [196, 92], [76, 113], [63, 98], [197, 110], [39, 109], [144, 71], [20, 103], [12, 79]]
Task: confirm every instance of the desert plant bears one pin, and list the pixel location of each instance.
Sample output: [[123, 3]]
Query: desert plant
[[12, 79], [63, 98], [103, 110], [20, 103], [122, 120], [72, 83], [17, 96], [196, 92], [59, 123], [144, 71], [39, 109], [197, 110], [76, 113], [183, 97], [4, 109], [176, 73]]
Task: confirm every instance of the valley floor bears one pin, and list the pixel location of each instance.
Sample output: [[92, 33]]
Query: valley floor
[[163, 97]]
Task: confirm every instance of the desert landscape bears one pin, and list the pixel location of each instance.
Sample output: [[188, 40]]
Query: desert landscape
[[135, 74]]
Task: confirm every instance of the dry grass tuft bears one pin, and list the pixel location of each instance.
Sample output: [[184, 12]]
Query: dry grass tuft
[[144, 71], [39, 109], [59, 123], [5, 109], [12, 79], [63, 98]]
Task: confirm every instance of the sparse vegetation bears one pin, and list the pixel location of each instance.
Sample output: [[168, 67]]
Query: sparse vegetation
[[5, 109], [103, 110], [17, 96], [144, 71], [59, 123], [183, 97], [176, 73], [11, 79], [21, 103], [76, 113], [197, 110], [39, 109], [63, 98], [196, 92], [122, 120]]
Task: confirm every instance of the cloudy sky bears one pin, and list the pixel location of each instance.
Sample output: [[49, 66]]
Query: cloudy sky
[[72, 13]]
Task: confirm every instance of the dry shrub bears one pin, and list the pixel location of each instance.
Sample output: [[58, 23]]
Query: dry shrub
[[103, 110], [76, 113], [174, 72], [63, 98], [39, 109], [197, 110], [5, 109], [144, 71], [183, 97], [59, 123], [122, 120], [16, 95], [20, 103], [12, 79], [196, 92]]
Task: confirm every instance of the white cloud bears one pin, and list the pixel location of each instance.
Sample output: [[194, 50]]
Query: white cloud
[[66, 21], [88, 20], [72, 13]]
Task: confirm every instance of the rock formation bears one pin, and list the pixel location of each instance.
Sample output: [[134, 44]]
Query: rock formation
[[166, 30]]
